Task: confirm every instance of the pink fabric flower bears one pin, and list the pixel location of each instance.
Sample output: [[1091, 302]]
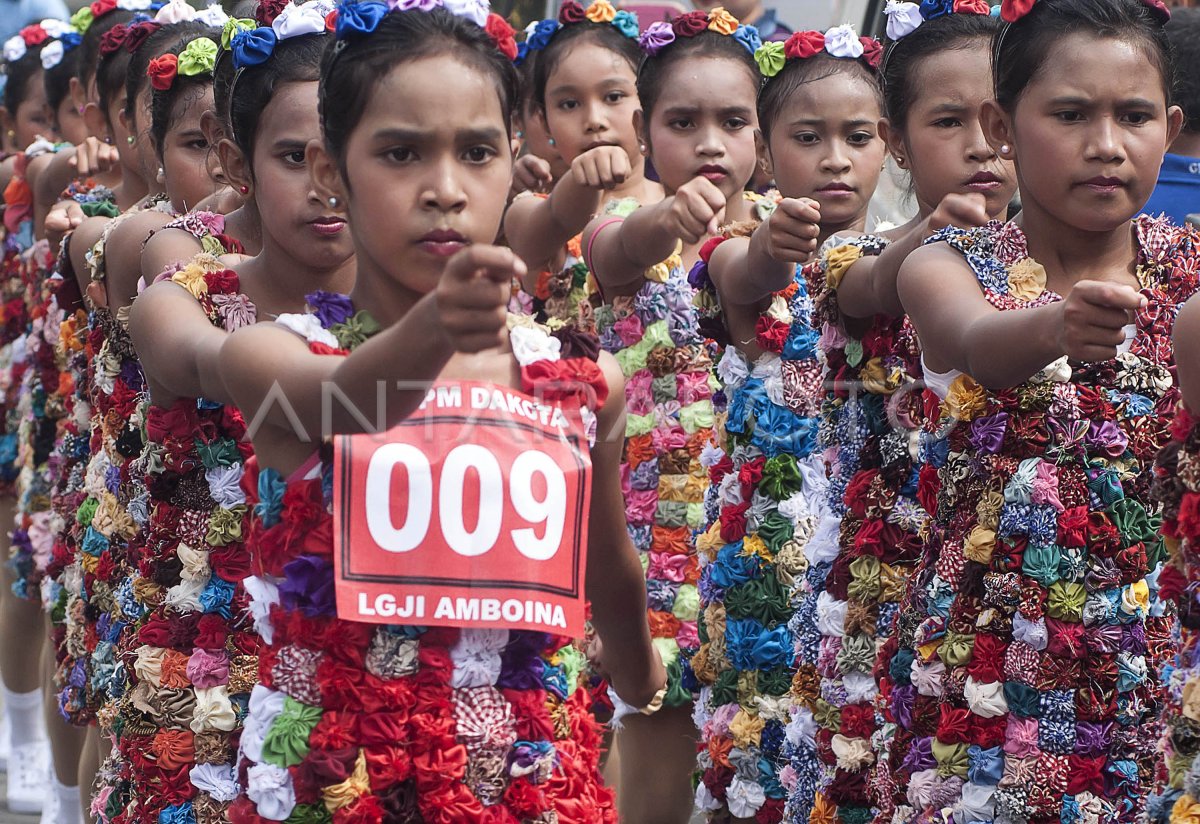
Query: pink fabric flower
[[208, 668]]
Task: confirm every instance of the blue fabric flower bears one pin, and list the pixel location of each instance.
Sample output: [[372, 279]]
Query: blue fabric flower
[[217, 596], [271, 487], [252, 48], [177, 814], [70, 40], [932, 9], [359, 18], [801, 343], [626, 22], [750, 646], [542, 32], [731, 567], [748, 37], [985, 766]]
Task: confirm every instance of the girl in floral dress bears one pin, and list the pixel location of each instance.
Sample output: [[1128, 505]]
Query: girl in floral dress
[[698, 87], [1024, 683], [356, 721]]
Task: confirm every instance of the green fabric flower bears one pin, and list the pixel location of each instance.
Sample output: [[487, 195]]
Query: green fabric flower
[[233, 26], [1041, 563], [687, 603], [1022, 699], [223, 452], [99, 208], [671, 514], [827, 716], [781, 478], [198, 57], [225, 525], [305, 814], [777, 681], [770, 58], [286, 743], [1065, 601], [857, 653], [956, 649], [86, 511], [355, 331], [775, 531], [82, 20], [864, 584], [1130, 518], [951, 758], [697, 416]]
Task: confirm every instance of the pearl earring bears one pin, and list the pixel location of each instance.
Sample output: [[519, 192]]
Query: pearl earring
[[552, 142], [900, 162], [334, 202], [131, 140]]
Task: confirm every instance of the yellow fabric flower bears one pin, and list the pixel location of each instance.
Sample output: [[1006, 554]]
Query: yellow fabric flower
[[966, 399], [191, 277], [721, 21], [878, 379], [601, 11], [837, 261], [1186, 811], [746, 730], [348, 791], [1026, 279], [980, 545], [709, 543], [754, 545]]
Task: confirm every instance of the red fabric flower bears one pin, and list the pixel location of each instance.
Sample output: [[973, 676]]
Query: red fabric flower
[[733, 522], [34, 35], [710, 246], [803, 44], [571, 12], [225, 282], [576, 379], [690, 24], [873, 49], [161, 71], [139, 33], [1013, 10], [972, 7], [113, 39], [268, 10], [770, 333], [102, 7], [502, 35]]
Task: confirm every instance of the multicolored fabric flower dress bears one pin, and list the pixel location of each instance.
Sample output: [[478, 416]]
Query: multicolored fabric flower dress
[[768, 488], [669, 385], [192, 657], [865, 548], [360, 722], [1024, 682]]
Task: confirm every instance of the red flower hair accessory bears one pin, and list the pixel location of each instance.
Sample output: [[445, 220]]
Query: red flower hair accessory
[[841, 42], [162, 71], [1013, 10]]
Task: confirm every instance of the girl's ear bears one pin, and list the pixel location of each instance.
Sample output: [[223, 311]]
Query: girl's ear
[[894, 142], [764, 154], [323, 169], [95, 121], [216, 163], [1174, 124], [78, 95], [232, 167], [998, 130]]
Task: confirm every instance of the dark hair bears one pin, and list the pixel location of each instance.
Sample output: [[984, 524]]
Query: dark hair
[[1020, 49], [170, 38], [21, 74], [1184, 33], [89, 49], [295, 60], [58, 81], [604, 35], [901, 57], [796, 73], [351, 69], [164, 101], [654, 69]]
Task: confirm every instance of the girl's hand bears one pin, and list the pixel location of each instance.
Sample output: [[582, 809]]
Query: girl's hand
[[792, 230], [696, 210], [531, 174], [604, 167], [93, 157], [1094, 316], [966, 211], [633, 691], [65, 216], [472, 296]]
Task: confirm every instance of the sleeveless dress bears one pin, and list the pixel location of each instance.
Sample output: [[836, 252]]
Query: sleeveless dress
[[1024, 683], [865, 548], [192, 652], [768, 488], [365, 722]]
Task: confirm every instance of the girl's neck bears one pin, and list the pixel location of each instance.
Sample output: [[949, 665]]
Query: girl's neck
[[1070, 255], [131, 189], [243, 223], [277, 282], [638, 187], [856, 226]]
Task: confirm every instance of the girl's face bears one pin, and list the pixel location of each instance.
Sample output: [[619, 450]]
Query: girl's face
[[591, 97], [71, 127], [942, 144], [704, 123], [825, 145], [1089, 132], [185, 150], [293, 215], [423, 180], [32, 117]]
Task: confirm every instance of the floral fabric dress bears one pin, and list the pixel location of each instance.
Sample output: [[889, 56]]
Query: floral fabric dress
[[1024, 683], [868, 543], [192, 654], [365, 722]]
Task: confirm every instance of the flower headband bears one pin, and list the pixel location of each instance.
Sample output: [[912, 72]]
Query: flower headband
[[840, 41], [83, 19], [128, 37], [358, 17], [55, 38], [539, 33], [658, 36], [1013, 10], [904, 18], [197, 58], [254, 46]]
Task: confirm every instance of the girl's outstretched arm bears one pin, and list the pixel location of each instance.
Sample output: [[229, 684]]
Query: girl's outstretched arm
[[745, 271], [619, 251], [960, 330], [1187, 348], [538, 228], [616, 585]]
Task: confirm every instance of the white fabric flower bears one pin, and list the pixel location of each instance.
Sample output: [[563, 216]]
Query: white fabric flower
[[902, 18], [795, 508], [263, 595], [55, 28], [927, 678], [213, 711], [218, 780], [213, 16], [852, 753], [729, 493], [1057, 372], [704, 799], [265, 706], [822, 547], [921, 786], [987, 699], [185, 596], [711, 455], [744, 797], [732, 369], [195, 564], [842, 41], [1031, 632], [225, 485], [148, 665], [307, 326], [271, 790], [476, 657], [476, 10], [831, 615], [52, 54], [531, 345], [860, 688], [175, 11], [802, 731], [976, 803]]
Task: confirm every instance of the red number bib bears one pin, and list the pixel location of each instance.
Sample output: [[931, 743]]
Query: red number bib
[[471, 513]]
